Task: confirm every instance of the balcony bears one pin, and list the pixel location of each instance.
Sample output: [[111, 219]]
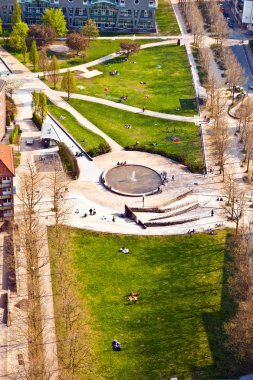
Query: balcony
[[6, 181], [152, 5], [6, 206], [3, 185], [7, 191]]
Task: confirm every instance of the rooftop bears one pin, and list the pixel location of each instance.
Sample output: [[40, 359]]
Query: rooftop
[[6, 156]]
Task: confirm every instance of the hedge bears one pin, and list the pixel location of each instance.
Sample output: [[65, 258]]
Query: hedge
[[101, 149], [69, 161], [37, 121], [14, 135]]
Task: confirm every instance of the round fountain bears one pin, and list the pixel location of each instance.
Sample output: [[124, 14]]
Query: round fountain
[[132, 180]]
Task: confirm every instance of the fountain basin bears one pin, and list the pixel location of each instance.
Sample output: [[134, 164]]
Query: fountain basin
[[132, 180]]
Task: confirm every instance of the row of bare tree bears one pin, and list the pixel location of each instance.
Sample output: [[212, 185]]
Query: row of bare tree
[[71, 329], [239, 329]]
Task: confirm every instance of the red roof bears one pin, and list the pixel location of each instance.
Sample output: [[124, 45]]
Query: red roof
[[6, 156]]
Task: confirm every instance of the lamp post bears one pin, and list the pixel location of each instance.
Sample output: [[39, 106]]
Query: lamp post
[[143, 200]]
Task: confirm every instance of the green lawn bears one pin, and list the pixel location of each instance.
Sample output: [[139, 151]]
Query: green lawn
[[75, 129], [97, 49], [148, 131], [168, 88], [176, 327], [165, 18]]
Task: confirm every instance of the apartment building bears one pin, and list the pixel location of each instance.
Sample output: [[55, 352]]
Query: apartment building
[[7, 172], [2, 109], [110, 15]]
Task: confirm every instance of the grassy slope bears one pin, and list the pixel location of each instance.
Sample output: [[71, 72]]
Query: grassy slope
[[167, 88], [75, 129], [165, 18], [174, 330], [146, 130]]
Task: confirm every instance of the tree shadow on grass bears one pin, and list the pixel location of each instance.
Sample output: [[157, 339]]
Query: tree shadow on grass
[[188, 104], [226, 364]]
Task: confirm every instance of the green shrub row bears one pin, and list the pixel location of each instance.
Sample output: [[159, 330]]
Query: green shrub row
[[194, 167], [14, 136], [37, 120], [98, 150], [69, 161]]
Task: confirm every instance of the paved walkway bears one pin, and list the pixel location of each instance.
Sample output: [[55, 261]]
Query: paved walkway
[[125, 107], [23, 100]]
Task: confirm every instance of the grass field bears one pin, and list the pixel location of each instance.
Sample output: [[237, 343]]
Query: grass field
[[165, 18], [168, 88], [97, 49], [148, 131], [75, 129], [175, 329]]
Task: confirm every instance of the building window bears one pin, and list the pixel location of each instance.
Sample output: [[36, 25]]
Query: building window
[[145, 13]]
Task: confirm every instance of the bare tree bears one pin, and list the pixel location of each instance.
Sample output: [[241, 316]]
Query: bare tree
[[236, 201], [31, 240], [235, 73]]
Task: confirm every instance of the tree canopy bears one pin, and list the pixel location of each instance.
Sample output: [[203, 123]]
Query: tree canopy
[[18, 35], [16, 14], [77, 42], [42, 34], [68, 83], [90, 29], [34, 55], [55, 18], [130, 47]]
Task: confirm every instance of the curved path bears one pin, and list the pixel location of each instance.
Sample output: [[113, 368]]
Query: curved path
[[83, 67], [125, 107]]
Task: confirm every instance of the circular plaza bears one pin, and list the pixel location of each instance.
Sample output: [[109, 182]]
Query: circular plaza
[[132, 180]]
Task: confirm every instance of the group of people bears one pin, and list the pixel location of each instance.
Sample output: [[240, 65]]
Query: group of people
[[114, 72], [124, 250], [133, 297], [80, 154], [121, 163], [116, 346], [128, 126]]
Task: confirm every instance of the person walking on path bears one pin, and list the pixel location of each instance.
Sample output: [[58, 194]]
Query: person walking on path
[[212, 212]]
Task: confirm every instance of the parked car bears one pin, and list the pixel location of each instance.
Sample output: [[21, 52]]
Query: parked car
[[29, 141]]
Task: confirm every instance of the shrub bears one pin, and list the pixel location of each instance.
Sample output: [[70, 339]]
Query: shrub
[[14, 136], [101, 149], [194, 167], [8, 121], [69, 161], [37, 121], [11, 109]]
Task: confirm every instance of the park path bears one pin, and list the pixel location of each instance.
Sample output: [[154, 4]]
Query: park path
[[23, 100], [128, 108], [233, 154]]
